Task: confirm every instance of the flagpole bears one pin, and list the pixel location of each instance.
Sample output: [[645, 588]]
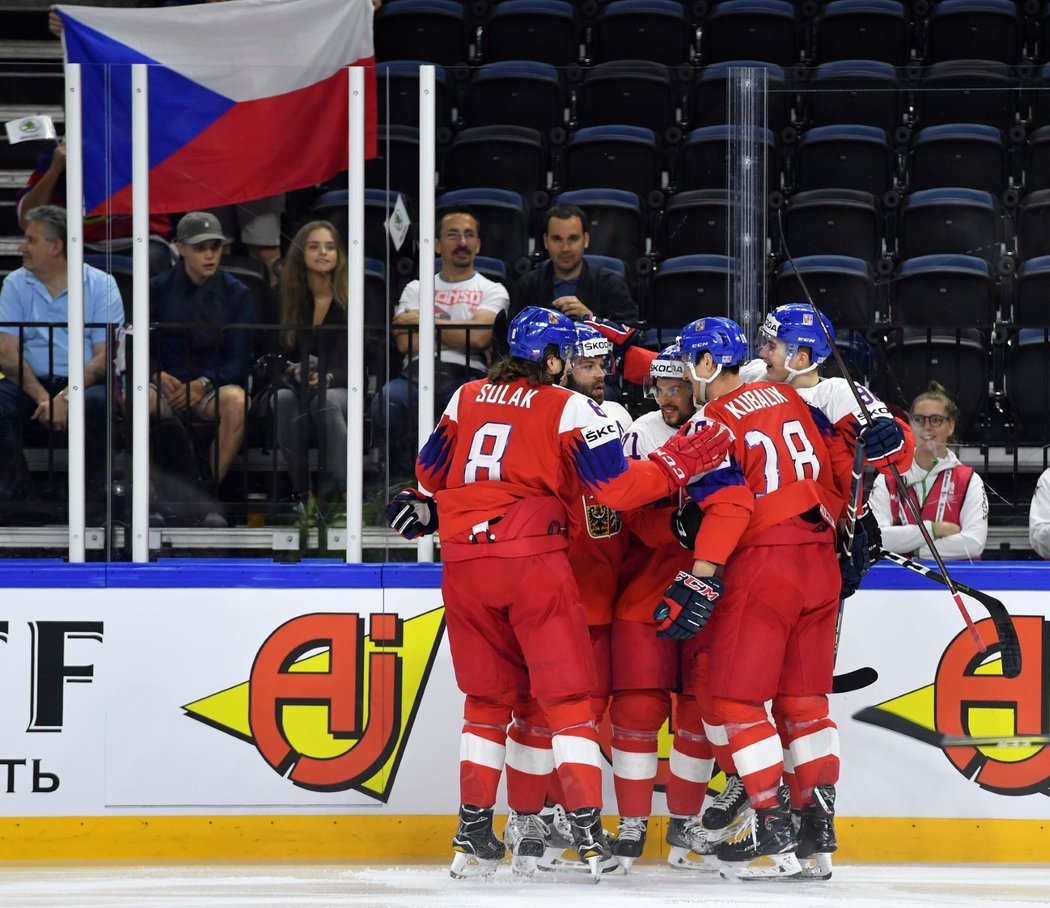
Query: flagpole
[[427, 134], [356, 315], [75, 311], [140, 312]]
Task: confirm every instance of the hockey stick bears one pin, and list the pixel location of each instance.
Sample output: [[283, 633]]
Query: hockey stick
[[866, 413], [861, 677], [872, 715], [854, 680], [1009, 645]]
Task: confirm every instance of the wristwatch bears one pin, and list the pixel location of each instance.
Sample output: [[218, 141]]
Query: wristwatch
[[207, 384]]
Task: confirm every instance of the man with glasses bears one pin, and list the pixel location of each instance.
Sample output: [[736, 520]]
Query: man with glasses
[[466, 305]]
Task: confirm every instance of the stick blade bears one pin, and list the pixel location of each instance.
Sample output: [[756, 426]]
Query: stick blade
[[854, 680], [872, 715]]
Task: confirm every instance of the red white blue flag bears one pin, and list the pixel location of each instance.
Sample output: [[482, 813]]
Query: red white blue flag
[[246, 98]]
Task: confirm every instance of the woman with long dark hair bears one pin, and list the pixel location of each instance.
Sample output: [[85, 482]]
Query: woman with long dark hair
[[313, 301]]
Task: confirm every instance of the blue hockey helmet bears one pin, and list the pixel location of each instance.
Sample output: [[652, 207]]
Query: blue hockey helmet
[[668, 364], [534, 328], [721, 337], [590, 344], [796, 324]]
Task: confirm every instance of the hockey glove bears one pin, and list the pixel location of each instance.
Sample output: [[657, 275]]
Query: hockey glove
[[686, 606], [870, 525], [883, 442], [412, 514], [854, 565], [621, 336], [685, 523], [684, 456]]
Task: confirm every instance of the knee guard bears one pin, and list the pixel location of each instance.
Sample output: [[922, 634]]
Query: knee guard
[[640, 710]]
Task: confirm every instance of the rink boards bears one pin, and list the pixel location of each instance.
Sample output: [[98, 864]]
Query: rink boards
[[240, 709]]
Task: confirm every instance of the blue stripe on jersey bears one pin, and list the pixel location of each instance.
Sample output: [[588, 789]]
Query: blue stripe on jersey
[[823, 423], [596, 466], [711, 482], [436, 456]]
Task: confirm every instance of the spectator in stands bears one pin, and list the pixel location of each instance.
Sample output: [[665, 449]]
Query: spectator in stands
[[35, 360], [951, 496], [199, 364], [466, 304], [566, 282], [258, 226], [1039, 517], [102, 233], [313, 295]]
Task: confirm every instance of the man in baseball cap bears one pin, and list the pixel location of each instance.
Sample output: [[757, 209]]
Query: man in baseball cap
[[198, 227]]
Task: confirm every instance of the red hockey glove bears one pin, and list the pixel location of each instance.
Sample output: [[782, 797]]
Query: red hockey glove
[[685, 523], [684, 456], [412, 514], [687, 606], [621, 337], [883, 442]]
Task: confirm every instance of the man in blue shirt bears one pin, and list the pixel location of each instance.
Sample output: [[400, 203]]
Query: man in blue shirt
[[35, 357], [199, 363]]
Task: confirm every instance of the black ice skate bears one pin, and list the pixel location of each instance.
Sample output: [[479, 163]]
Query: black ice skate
[[592, 842], [629, 842], [729, 813], [526, 837], [560, 854], [477, 849], [816, 836], [772, 835], [687, 837]]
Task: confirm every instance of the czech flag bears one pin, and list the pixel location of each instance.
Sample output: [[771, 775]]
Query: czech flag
[[246, 98]]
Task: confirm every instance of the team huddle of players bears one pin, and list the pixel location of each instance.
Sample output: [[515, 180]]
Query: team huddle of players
[[693, 558]]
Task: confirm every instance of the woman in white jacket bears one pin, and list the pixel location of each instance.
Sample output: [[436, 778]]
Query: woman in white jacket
[[951, 496]]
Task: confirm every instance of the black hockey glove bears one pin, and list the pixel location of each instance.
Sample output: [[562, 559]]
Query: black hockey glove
[[685, 523], [687, 606], [412, 514], [854, 565], [871, 527], [883, 441]]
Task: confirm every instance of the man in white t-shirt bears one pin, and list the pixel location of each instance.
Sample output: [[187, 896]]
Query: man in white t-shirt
[[466, 305]]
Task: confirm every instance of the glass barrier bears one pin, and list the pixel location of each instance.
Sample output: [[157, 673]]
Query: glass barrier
[[905, 196]]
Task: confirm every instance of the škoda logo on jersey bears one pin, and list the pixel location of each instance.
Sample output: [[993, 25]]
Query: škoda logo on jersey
[[328, 706], [970, 697]]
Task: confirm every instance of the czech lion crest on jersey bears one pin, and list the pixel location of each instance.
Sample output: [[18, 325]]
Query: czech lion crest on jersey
[[602, 521]]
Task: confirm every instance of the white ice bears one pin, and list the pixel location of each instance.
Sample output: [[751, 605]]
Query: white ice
[[75, 885]]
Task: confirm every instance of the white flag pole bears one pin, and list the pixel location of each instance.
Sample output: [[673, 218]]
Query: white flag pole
[[75, 312], [140, 312], [356, 316], [427, 133]]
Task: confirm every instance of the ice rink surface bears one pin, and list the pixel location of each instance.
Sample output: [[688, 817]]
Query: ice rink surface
[[72, 885]]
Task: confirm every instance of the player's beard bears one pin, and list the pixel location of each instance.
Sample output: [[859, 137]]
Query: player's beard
[[596, 392]]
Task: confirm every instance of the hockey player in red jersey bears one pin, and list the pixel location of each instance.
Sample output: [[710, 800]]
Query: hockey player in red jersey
[[769, 531], [647, 668], [597, 546], [498, 464]]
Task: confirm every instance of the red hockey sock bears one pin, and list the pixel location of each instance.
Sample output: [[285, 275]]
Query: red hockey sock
[[637, 716], [756, 748]]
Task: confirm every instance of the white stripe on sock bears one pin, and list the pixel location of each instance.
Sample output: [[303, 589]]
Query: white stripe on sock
[[482, 751], [716, 734], [574, 749], [536, 761], [758, 756], [822, 743], [634, 766], [692, 769]]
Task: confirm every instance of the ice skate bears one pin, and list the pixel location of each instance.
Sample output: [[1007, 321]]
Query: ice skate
[[525, 836], [729, 813], [687, 837], [629, 842], [816, 837], [591, 841], [770, 833], [560, 854], [478, 851]]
